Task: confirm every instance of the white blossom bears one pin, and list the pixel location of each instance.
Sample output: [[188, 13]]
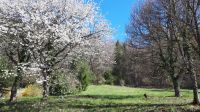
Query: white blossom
[[54, 29]]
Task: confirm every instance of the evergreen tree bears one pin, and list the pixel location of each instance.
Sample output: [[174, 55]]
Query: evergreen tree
[[84, 74], [118, 69]]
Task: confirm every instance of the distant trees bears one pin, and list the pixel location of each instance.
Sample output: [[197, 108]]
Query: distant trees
[[133, 66], [109, 78]]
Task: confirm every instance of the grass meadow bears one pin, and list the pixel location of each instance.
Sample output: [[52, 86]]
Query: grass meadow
[[105, 98]]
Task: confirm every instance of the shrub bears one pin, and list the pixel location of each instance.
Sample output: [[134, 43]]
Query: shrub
[[62, 84], [109, 77], [84, 74], [32, 90], [59, 85], [6, 76]]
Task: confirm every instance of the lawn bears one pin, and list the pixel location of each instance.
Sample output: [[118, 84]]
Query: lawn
[[106, 98]]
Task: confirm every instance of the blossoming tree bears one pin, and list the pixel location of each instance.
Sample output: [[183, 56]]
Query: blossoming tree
[[52, 29]]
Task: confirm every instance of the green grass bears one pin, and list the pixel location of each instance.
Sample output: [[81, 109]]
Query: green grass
[[106, 98]]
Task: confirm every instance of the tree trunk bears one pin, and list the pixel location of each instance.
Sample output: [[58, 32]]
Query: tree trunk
[[176, 85], [45, 73], [45, 86], [191, 71], [195, 91], [15, 86], [195, 87], [176, 82]]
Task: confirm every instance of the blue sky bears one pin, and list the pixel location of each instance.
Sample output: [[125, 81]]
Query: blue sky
[[117, 12]]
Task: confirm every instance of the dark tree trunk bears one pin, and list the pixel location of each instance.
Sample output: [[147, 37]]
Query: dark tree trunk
[[197, 37], [45, 85], [14, 89], [193, 76], [46, 73], [175, 81], [195, 91], [192, 73], [195, 87], [15, 86], [176, 85]]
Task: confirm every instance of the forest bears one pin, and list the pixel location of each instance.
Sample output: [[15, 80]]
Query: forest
[[60, 56]]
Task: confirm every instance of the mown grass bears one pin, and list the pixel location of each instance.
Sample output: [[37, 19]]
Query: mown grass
[[106, 98]]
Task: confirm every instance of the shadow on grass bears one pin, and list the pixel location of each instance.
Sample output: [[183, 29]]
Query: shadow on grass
[[93, 108], [109, 97], [75, 102], [122, 105], [168, 90], [112, 105], [118, 97], [28, 104]]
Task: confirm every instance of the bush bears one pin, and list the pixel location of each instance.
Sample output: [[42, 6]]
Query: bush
[[6, 76], [32, 90], [62, 84], [84, 74], [109, 77], [59, 85]]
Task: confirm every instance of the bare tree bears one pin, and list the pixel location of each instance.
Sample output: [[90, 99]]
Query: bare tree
[[152, 26], [170, 26]]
